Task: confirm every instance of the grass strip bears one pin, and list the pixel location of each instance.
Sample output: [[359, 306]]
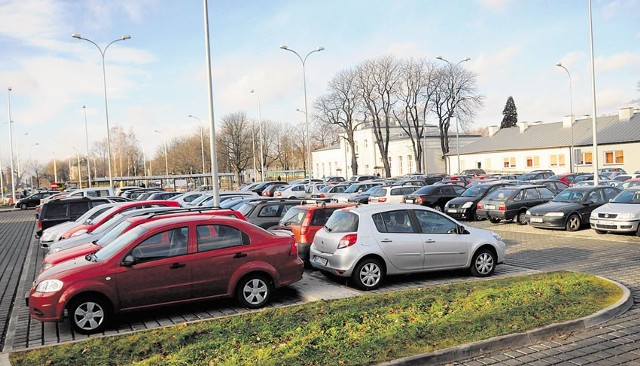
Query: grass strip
[[354, 331]]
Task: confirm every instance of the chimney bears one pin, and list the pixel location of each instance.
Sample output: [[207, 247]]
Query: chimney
[[568, 121], [625, 114], [523, 126], [493, 130]]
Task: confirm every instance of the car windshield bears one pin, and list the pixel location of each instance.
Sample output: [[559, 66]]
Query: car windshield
[[93, 213], [294, 216], [245, 208], [103, 215], [198, 200], [120, 242], [500, 194], [342, 222], [527, 176], [113, 233], [474, 191], [326, 189], [379, 192], [352, 188], [628, 196], [570, 195], [109, 224], [231, 202]]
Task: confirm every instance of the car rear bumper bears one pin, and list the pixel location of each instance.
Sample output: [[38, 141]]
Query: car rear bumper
[[616, 226], [340, 263]]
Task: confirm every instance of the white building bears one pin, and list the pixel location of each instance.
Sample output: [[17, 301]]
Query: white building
[[531, 146], [336, 160]]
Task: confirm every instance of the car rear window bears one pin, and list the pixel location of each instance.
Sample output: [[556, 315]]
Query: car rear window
[[342, 222], [501, 194], [56, 210], [320, 216]]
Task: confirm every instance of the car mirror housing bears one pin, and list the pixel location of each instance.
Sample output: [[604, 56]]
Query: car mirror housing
[[129, 261], [588, 203]]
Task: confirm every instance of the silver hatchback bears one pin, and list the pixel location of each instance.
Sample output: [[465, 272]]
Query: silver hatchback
[[367, 243]]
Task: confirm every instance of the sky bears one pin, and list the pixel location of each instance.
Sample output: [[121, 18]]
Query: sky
[[156, 79]]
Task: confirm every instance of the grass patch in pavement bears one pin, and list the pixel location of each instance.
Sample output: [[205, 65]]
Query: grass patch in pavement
[[354, 331]]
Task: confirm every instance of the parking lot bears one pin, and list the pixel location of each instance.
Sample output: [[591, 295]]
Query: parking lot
[[528, 250]]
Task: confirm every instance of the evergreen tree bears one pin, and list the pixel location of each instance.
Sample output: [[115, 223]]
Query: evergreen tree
[[510, 114]]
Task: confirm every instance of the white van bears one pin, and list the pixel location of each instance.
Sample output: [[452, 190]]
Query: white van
[[92, 192]]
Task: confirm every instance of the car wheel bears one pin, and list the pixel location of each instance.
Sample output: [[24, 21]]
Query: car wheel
[[573, 223], [23, 206], [368, 274], [600, 231], [483, 263], [522, 218], [475, 216], [494, 220], [89, 314], [437, 208], [254, 291]]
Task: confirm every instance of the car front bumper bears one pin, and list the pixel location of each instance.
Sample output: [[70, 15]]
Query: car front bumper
[[460, 213], [547, 222], [616, 226]]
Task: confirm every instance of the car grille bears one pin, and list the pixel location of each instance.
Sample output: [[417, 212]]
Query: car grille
[[454, 205], [599, 226], [607, 215]]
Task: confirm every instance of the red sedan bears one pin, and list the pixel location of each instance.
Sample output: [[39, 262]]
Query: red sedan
[[169, 261]]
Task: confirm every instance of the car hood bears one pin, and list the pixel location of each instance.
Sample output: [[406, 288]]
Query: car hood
[[463, 200], [76, 252], [556, 207], [69, 267], [54, 232], [618, 208], [74, 241]]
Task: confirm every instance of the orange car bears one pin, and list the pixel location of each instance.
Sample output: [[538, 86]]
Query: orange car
[[305, 220]]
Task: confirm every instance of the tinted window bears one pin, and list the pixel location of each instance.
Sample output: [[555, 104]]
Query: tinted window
[[294, 216], [433, 223], [165, 244], [212, 237], [610, 193], [378, 192], [457, 190], [596, 196], [56, 210], [77, 208], [501, 194], [532, 194], [545, 193], [320, 217], [268, 211], [245, 208], [425, 190], [342, 222], [628, 196], [393, 222]]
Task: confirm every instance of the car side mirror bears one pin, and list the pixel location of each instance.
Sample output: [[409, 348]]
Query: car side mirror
[[129, 261], [588, 203]]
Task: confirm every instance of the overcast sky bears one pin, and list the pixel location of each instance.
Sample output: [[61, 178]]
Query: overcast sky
[[158, 77]]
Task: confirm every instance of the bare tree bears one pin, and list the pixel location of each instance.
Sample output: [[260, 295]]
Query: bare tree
[[378, 82], [340, 106], [234, 141], [299, 145], [285, 147], [457, 96]]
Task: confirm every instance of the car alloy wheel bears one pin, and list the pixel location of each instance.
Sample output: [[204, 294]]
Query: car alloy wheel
[[23, 206], [254, 291], [89, 315], [573, 223], [522, 218], [483, 263], [368, 274], [437, 208]]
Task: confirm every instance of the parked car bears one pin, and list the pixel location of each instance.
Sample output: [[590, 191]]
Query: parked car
[[363, 197], [536, 174], [633, 182], [292, 191], [584, 176], [352, 191], [361, 178], [571, 209], [187, 197], [66, 209], [313, 188], [164, 195], [473, 172], [267, 213], [92, 192], [367, 243], [133, 194], [33, 200], [55, 232], [460, 180], [435, 196], [169, 261], [390, 194], [608, 171], [329, 191], [464, 207], [118, 225], [621, 215], [305, 220], [554, 186], [333, 180], [271, 188], [262, 185], [145, 196], [512, 202], [566, 178], [94, 223]]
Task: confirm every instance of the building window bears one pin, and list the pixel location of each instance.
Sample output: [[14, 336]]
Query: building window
[[330, 171], [410, 160], [356, 147], [557, 160], [586, 158], [366, 169], [533, 161], [323, 169], [400, 165], [366, 145], [509, 163], [614, 157]]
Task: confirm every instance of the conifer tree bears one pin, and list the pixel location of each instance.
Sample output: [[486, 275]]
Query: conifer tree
[[510, 114]]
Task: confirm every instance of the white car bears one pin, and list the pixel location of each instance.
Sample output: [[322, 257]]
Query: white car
[[352, 191], [621, 215], [391, 194], [54, 233], [292, 191], [366, 243]]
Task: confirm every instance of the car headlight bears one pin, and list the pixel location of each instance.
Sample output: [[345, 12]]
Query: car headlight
[[496, 236], [46, 266], [49, 286], [79, 232], [627, 216], [467, 205], [528, 213], [554, 214]]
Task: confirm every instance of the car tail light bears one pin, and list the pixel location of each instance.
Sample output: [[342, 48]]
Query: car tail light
[[279, 194], [304, 230], [322, 195], [419, 200], [479, 206], [502, 207], [382, 199], [347, 241], [294, 249], [403, 201], [39, 225], [370, 199]]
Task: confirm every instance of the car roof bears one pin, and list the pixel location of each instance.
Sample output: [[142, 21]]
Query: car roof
[[187, 220]]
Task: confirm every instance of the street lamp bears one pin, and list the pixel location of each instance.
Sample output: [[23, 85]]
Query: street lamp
[[453, 110], [166, 159], [201, 140], [306, 107], [13, 182], [86, 135], [261, 136], [571, 157], [104, 83]]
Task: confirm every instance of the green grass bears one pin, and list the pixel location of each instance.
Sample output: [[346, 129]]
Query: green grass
[[354, 331]]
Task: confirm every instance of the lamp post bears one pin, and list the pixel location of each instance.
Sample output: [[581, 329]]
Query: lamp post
[[454, 103], [2, 174], [261, 135], [306, 107], [13, 182], [201, 140], [571, 158], [594, 125], [104, 83], [166, 159], [86, 135]]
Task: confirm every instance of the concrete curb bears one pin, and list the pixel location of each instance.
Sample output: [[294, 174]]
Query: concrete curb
[[4, 359], [519, 339]]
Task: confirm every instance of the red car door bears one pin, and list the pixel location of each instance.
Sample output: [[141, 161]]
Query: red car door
[[161, 274]]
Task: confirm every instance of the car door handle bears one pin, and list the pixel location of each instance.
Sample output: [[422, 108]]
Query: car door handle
[[240, 255], [177, 265], [386, 241], [429, 241]]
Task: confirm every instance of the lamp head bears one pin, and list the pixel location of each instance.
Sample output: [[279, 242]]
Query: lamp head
[[251, 91], [467, 59], [440, 58], [320, 49], [284, 47], [559, 64], [125, 37], [76, 35]]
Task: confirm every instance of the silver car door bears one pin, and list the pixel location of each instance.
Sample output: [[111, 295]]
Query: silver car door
[[398, 239], [443, 246]]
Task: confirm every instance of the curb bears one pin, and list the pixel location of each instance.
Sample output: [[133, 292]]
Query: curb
[[4, 359], [519, 339]]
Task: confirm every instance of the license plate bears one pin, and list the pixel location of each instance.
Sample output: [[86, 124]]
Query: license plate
[[320, 260], [408, 201], [536, 219], [452, 210], [490, 207], [603, 222]]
